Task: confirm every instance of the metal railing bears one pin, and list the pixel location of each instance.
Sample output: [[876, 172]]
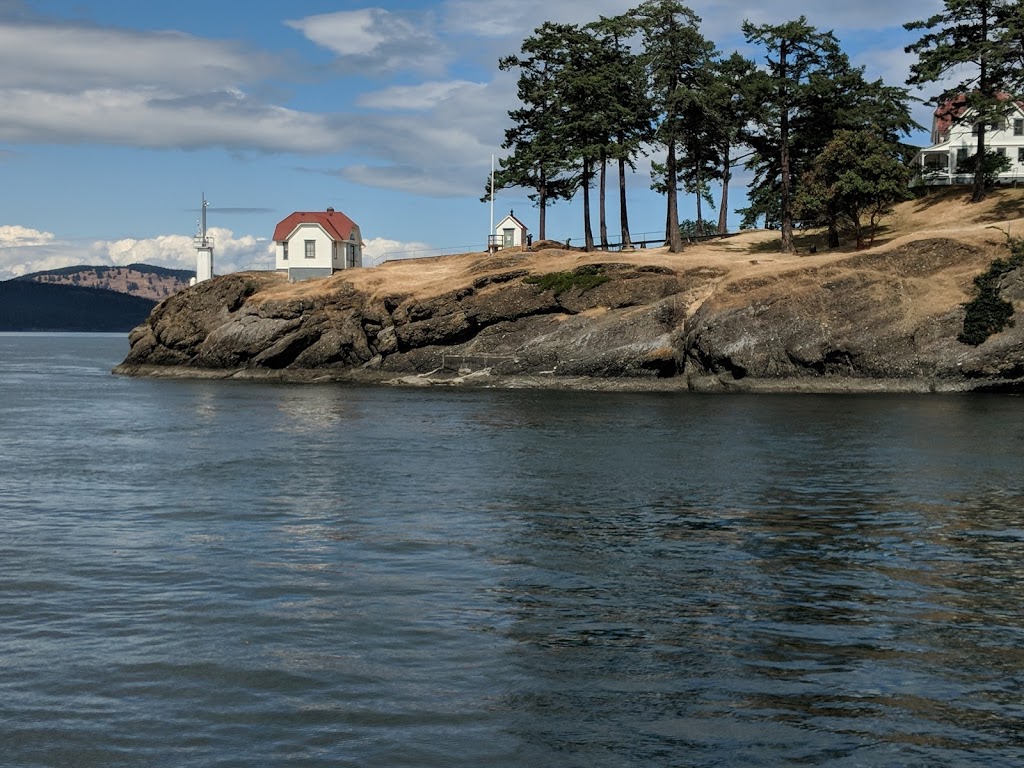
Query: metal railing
[[638, 240], [422, 253]]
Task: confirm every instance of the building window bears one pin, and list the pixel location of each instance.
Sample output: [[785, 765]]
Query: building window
[[1020, 155], [311, 249], [1001, 151], [284, 252], [1018, 127]]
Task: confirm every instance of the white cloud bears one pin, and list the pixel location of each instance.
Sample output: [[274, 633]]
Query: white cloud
[[21, 237], [377, 250], [419, 97], [376, 40], [500, 18], [149, 118], [63, 58], [24, 250], [231, 253]]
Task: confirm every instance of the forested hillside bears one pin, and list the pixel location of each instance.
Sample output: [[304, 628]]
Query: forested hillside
[[26, 305], [142, 280]]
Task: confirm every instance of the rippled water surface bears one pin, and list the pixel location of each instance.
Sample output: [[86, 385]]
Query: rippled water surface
[[231, 573]]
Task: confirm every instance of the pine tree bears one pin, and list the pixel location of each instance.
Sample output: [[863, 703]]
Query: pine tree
[[794, 50], [628, 113], [677, 58], [732, 76], [537, 160]]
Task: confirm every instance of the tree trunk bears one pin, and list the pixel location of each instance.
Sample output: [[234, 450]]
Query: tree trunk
[[700, 214], [978, 193], [786, 211], [627, 242], [675, 240], [723, 211], [603, 222], [833, 232], [979, 156], [542, 202], [588, 231]]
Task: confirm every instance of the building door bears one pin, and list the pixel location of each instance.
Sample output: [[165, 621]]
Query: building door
[[508, 238]]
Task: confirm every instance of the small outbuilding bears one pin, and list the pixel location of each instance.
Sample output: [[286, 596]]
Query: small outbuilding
[[510, 232], [317, 244]]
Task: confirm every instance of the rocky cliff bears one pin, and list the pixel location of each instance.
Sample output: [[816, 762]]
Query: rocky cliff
[[732, 315]]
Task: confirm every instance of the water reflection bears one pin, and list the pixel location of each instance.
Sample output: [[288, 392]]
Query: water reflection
[[834, 618]]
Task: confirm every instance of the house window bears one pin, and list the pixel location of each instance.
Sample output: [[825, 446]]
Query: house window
[[311, 249], [1018, 127], [284, 251], [1020, 155], [1001, 151]]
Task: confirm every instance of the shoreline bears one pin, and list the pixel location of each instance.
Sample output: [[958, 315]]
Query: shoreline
[[485, 380]]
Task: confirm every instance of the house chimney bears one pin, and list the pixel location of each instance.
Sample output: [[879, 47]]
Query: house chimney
[[330, 210]]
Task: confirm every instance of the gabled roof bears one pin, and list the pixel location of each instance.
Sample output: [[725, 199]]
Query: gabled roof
[[337, 225], [513, 218], [951, 111]]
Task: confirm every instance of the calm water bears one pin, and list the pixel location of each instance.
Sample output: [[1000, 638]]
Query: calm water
[[239, 574]]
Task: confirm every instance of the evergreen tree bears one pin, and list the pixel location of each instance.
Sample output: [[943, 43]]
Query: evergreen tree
[[536, 139], [840, 99], [732, 76], [858, 174], [794, 50], [628, 115], [677, 59]]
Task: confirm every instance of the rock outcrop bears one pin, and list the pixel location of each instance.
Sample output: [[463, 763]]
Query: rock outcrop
[[884, 320]]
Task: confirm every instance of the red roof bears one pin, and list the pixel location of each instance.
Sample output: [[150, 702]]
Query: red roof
[[337, 225], [952, 110]]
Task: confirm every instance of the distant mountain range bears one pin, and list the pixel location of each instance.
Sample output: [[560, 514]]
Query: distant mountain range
[[143, 280], [87, 298]]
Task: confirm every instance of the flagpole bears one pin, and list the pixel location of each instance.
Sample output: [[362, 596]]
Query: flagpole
[[490, 233]]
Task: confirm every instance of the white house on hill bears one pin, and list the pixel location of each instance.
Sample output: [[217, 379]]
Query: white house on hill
[[955, 139], [317, 244], [510, 232]]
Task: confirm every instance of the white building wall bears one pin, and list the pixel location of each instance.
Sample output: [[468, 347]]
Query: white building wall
[[329, 255], [517, 233], [297, 247], [963, 141]]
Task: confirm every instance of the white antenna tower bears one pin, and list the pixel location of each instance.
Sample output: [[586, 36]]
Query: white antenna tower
[[203, 244]]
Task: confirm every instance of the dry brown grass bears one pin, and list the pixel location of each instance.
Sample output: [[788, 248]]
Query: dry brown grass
[[944, 214]]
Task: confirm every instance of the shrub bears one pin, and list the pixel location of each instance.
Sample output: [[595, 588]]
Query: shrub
[[582, 278], [987, 312]]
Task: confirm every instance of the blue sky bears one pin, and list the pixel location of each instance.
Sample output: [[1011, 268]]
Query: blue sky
[[116, 116]]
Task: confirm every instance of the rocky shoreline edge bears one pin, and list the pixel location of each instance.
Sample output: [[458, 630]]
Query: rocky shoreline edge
[[487, 380], [870, 322]]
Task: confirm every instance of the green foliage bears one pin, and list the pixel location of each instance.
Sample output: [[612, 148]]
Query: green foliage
[[992, 164], [582, 279], [679, 64], [988, 313], [692, 230], [858, 174]]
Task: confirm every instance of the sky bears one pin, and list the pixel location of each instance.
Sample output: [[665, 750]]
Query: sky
[[118, 116]]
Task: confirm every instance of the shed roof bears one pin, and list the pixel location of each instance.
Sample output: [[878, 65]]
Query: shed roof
[[336, 224], [512, 217]]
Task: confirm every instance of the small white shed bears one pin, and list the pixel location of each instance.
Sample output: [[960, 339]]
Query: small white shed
[[510, 232]]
